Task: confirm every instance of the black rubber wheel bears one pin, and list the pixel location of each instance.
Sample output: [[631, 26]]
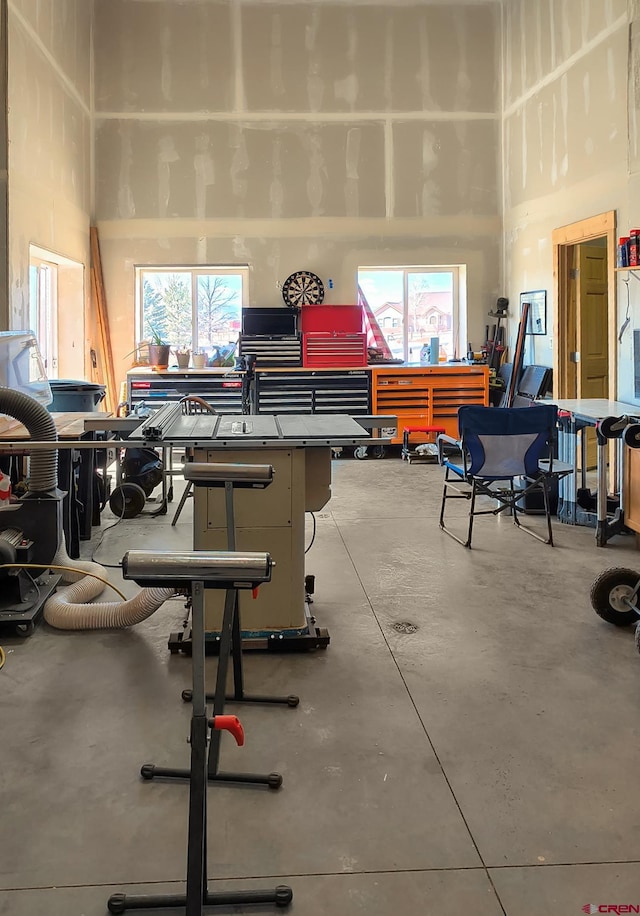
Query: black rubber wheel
[[187, 695], [284, 895], [26, 629], [607, 429], [378, 451], [275, 780], [127, 500], [147, 770], [116, 903], [631, 435], [608, 594], [293, 700]]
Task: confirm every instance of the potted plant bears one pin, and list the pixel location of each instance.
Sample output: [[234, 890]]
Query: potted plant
[[183, 354], [159, 350], [199, 359]]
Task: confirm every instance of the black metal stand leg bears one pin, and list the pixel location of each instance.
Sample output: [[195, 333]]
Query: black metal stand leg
[[281, 896], [272, 780], [230, 624], [198, 896], [239, 695], [185, 495]]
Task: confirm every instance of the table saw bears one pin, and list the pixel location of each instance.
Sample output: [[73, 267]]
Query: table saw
[[299, 448]]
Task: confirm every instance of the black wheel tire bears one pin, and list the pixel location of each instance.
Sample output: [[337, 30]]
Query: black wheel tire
[[127, 500], [116, 903], [284, 895], [147, 770], [631, 435], [608, 592], [378, 451], [293, 700], [637, 636], [606, 428], [187, 696], [26, 629], [275, 780]]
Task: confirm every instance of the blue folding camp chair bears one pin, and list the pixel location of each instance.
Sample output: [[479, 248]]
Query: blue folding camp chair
[[505, 454]]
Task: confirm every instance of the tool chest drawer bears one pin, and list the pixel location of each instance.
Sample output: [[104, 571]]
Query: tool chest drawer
[[312, 391], [428, 395], [334, 350], [222, 391], [272, 351]]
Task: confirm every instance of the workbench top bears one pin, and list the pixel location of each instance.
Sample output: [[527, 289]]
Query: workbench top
[[68, 425], [597, 408]]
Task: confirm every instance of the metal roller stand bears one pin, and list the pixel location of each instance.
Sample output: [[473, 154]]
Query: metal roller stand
[[195, 572], [618, 428], [229, 476]]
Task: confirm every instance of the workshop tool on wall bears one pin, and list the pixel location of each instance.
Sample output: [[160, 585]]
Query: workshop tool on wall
[[229, 476], [495, 342], [518, 356], [192, 573]]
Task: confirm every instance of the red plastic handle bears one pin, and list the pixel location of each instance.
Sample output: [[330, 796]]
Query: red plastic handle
[[230, 724], [254, 592]]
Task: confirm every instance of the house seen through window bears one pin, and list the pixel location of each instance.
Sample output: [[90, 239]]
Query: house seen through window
[[411, 305], [196, 308]]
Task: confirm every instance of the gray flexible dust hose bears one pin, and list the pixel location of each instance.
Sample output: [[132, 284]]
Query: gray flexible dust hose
[[68, 608], [43, 466]]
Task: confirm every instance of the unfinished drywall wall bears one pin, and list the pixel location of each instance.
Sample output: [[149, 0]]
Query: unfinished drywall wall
[[49, 154], [284, 136], [566, 138]]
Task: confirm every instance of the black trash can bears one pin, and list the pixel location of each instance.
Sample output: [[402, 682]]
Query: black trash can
[[75, 396]]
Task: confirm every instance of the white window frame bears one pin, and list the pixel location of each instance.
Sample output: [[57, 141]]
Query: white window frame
[[459, 316], [45, 312], [195, 271]]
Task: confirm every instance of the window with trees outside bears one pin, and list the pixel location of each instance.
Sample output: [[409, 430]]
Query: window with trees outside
[[199, 308], [411, 305]]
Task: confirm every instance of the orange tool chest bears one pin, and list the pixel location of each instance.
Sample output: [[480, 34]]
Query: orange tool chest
[[428, 395]]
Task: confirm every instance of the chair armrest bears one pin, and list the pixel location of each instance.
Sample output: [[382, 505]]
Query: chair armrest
[[442, 440], [450, 440]]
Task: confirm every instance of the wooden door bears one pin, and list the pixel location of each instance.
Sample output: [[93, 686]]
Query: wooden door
[[592, 330]]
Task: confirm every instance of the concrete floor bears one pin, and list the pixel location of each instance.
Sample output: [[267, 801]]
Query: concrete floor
[[481, 764]]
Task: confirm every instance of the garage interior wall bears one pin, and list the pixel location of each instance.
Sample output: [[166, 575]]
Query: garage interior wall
[[321, 136], [318, 136], [49, 100], [567, 139]]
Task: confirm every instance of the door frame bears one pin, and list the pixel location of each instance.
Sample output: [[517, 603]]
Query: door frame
[[603, 225]]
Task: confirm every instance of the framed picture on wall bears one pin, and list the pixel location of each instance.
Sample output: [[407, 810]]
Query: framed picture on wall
[[537, 299]]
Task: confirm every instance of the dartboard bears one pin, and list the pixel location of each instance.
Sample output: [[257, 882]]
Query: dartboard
[[302, 288]]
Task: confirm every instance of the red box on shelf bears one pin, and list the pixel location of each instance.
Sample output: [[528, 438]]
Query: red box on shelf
[[326, 351], [330, 319]]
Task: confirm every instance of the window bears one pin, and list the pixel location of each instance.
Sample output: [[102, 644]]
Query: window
[[413, 304], [43, 310], [196, 307]]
